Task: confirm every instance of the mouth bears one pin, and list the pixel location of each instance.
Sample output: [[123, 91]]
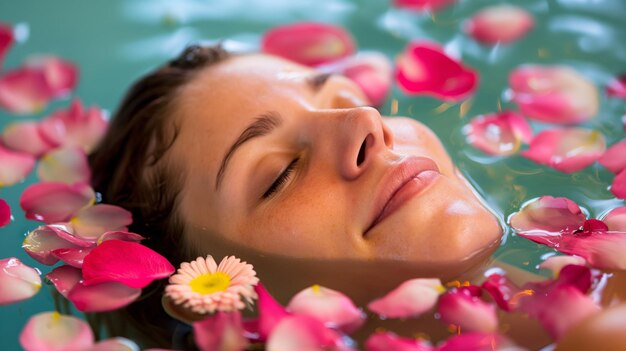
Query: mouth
[[404, 181]]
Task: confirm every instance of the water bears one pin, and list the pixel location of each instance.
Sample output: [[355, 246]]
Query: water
[[115, 41]]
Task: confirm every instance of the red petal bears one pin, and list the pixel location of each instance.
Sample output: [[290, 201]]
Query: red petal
[[461, 308], [616, 219], [423, 5], [24, 90], [499, 134], [124, 262], [68, 165], [554, 94], [5, 213], [308, 43], [14, 166], [72, 256], [411, 299], [478, 342], [547, 213], [614, 159], [50, 331], [221, 331], [567, 150], [64, 278], [617, 87], [6, 40], [503, 291], [270, 312], [424, 68], [499, 24], [53, 202], [618, 188], [17, 281], [385, 341], [557, 263], [91, 222], [15, 134], [61, 76], [102, 297]]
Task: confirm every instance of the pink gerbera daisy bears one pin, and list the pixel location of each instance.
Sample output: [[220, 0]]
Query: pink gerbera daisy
[[204, 287]]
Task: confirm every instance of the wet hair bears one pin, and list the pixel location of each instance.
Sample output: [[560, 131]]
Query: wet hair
[[130, 169]]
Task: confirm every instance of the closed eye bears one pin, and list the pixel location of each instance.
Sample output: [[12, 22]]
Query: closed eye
[[281, 180]]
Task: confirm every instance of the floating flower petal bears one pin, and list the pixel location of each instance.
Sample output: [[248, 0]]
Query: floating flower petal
[[14, 166], [616, 219], [330, 307], [119, 235], [556, 263], [72, 256], [102, 297], [554, 94], [68, 165], [424, 68], [51, 331], [52, 202], [93, 221], [617, 87], [499, 134], [5, 213], [61, 75], [17, 281], [618, 187], [15, 135], [124, 262], [64, 278], [567, 150], [461, 308], [614, 159], [308, 43], [499, 24], [385, 341], [44, 240], [547, 213], [6, 40], [410, 299], [114, 344], [24, 90], [423, 5], [301, 332], [503, 291], [222, 331], [270, 312], [477, 341]]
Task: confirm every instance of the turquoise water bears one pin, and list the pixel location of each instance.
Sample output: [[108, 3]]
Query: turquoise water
[[115, 41]]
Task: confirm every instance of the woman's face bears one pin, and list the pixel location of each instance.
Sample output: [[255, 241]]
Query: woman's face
[[280, 159]]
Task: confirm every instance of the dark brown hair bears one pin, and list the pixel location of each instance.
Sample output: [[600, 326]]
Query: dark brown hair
[[130, 169]]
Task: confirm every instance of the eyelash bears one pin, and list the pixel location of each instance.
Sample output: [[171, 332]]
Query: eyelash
[[281, 180]]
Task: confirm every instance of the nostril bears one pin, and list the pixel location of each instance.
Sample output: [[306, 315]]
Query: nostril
[[361, 157]]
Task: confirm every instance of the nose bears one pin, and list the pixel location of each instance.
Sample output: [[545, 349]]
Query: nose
[[358, 137]]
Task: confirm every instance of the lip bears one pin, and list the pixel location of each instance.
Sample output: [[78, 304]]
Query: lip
[[404, 180]]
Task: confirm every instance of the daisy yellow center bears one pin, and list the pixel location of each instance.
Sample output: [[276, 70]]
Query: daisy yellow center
[[210, 283]]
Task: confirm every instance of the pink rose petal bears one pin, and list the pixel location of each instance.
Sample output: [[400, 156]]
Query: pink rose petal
[[5, 213], [91, 222], [102, 297], [43, 241], [372, 72], [461, 308], [270, 312], [14, 166], [24, 90], [52, 202], [423, 5], [616, 219], [499, 134], [614, 159], [478, 342], [125, 262], [72, 256], [410, 299], [17, 281], [330, 307], [301, 332], [618, 187], [51, 331], [385, 341], [554, 94], [114, 344], [567, 150], [68, 165], [502, 290], [547, 213], [61, 75], [65, 278], [424, 68], [119, 235], [617, 87], [220, 331], [556, 263], [502, 23], [15, 134], [6, 40], [308, 43]]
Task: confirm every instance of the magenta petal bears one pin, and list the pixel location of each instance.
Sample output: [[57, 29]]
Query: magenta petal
[[423, 5], [5, 213], [616, 88], [91, 222], [125, 262], [410, 299], [24, 90], [41, 242], [15, 135], [567, 150], [114, 344], [478, 342], [51, 331], [68, 165], [424, 68], [460, 308], [64, 278], [554, 94], [308, 43], [499, 134], [618, 187], [330, 307], [120, 235], [499, 24], [102, 297], [61, 76], [14, 166], [6, 40], [385, 341], [72, 256], [502, 290], [301, 332], [614, 159], [547, 213], [17, 281], [616, 219], [221, 331], [52, 202], [270, 312]]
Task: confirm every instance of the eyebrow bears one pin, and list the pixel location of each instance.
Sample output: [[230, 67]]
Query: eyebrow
[[261, 126]]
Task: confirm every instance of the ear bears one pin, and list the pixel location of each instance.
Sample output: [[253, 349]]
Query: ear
[[179, 312]]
